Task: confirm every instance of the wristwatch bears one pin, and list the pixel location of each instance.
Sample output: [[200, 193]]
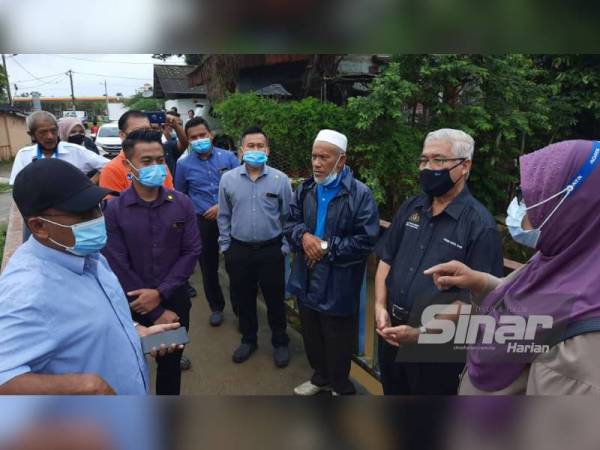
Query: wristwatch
[[324, 247], [422, 330]]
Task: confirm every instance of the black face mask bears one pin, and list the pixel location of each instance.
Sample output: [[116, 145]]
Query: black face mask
[[77, 139], [436, 183]]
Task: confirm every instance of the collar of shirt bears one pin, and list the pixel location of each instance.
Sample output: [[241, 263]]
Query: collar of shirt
[[454, 209], [74, 263], [264, 172], [59, 150], [130, 197]]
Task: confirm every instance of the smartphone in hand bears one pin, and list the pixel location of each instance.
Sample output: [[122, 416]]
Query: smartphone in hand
[[178, 337]]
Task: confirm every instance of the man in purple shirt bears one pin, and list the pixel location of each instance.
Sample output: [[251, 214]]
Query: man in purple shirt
[[153, 245]]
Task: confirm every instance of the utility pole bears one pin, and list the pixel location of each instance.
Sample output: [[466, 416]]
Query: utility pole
[[70, 73], [106, 93], [10, 102]]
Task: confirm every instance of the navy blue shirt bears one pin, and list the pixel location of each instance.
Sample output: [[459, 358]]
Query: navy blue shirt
[[465, 231], [200, 178]]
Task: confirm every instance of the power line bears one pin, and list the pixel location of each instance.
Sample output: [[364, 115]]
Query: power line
[[102, 61], [109, 76], [40, 77], [57, 80], [27, 71]]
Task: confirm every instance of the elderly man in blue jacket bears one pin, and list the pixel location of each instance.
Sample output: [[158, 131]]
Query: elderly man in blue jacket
[[332, 228]]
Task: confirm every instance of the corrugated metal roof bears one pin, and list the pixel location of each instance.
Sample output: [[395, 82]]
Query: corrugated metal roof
[[275, 89], [171, 80]]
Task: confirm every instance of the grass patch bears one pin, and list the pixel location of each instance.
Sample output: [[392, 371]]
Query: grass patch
[[5, 187], [3, 228]]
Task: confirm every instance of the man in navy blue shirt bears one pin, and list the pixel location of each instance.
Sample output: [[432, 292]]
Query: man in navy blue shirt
[[198, 175], [443, 223]]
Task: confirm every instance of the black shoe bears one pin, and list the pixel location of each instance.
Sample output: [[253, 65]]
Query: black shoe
[[192, 291], [185, 363], [281, 356], [216, 318], [243, 352]]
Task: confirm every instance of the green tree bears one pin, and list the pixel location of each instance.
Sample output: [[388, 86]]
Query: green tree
[[139, 102]]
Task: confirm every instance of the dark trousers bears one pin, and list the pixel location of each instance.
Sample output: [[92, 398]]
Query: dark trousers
[[168, 372], [416, 378], [329, 342], [250, 268], [209, 263]]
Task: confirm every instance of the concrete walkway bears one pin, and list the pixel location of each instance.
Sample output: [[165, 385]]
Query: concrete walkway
[[214, 373]]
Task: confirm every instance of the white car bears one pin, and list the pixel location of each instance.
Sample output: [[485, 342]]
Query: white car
[[108, 140]]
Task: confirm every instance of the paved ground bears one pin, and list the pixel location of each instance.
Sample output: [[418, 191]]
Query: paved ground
[[213, 371]]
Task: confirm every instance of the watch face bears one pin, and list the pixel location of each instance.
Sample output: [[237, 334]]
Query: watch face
[[323, 245]]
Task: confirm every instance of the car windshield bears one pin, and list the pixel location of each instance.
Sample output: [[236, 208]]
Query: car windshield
[[108, 132]]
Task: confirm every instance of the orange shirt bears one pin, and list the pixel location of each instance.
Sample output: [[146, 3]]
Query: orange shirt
[[114, 175]]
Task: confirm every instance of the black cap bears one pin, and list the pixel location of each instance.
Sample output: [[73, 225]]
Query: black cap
[[52, 183]]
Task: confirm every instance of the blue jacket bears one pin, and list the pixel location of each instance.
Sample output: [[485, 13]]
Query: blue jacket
[[333, 285]]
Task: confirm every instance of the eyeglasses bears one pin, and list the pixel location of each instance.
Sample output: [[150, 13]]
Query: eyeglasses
[[436, 162]]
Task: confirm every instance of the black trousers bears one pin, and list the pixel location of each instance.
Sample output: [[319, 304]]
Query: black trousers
[[168, 372], [416, 378], [250, 268], [329, 342], [209, 263]]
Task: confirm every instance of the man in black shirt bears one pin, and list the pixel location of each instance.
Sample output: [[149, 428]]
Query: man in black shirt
[[443, 223]]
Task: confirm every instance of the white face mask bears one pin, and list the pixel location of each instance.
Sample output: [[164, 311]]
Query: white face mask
[[516, 212]]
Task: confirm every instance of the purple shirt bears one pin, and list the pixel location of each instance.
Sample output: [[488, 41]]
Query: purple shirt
[[152, 245]]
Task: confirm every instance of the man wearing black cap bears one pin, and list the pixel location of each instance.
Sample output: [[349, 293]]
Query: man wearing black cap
[[65, 326]]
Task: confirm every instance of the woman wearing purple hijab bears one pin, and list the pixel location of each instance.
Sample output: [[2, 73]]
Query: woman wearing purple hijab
[[558, 215]]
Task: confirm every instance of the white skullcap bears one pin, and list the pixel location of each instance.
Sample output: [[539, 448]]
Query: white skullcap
[[333, 137]]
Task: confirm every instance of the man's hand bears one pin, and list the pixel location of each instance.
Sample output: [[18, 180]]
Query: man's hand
[[171, 121], [382, 318], [167, 317], [154, 329], [146, 301], [211, 213], [403, 334], [93, 384], [312, 248]]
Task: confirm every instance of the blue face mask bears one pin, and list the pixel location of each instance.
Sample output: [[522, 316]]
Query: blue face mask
[[173, 135], [201, 146], [331, 177], [255, 158], [90, 236], [151, 176], [516, 213]]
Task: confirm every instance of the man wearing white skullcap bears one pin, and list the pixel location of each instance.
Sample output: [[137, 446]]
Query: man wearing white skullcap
[[332, 228]]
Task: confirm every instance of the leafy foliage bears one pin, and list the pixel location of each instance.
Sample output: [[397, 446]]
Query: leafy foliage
[[144, 103], [511, 104]]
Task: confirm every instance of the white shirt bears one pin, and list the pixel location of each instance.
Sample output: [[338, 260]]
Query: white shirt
[[82, 158]]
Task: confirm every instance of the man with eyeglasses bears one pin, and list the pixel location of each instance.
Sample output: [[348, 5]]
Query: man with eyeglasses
[[443, 223]]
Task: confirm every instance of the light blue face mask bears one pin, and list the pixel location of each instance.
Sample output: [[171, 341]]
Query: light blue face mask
[[516, 212], [90, 236], [201, 146], [151, 176], [255, 158], [331, 177]]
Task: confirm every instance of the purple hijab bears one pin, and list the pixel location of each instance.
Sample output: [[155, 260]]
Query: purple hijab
[[563, 278]]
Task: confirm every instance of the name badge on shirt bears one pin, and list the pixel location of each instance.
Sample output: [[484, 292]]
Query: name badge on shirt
[[179, 224], [413, 221], [272, 195]]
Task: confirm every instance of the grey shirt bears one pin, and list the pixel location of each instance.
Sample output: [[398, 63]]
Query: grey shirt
[[253, 211]]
